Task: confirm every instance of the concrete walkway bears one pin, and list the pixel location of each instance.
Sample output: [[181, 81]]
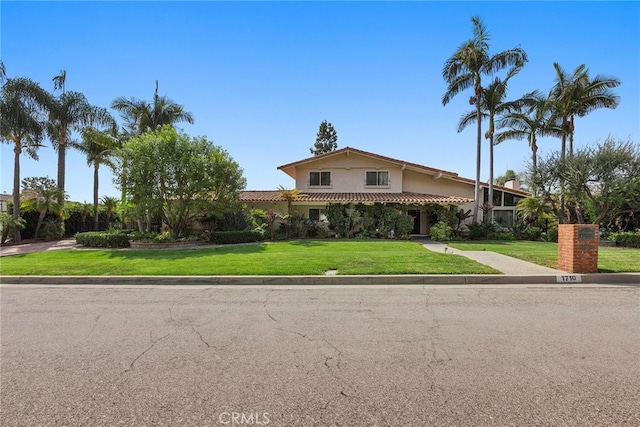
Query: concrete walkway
[[503, 263], [26, 248]]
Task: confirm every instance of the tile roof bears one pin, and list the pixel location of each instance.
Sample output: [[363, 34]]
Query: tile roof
[[368, 154], [418, 198]]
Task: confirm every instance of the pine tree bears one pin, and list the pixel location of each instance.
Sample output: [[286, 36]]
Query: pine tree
[[326, 140]]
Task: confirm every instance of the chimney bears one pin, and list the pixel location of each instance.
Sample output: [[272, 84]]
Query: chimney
[[512, 184]]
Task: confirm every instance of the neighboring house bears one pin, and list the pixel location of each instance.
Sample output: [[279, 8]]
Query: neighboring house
[[5, 199], [349, 175]]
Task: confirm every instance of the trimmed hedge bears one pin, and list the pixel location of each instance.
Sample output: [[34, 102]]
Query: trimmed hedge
[[627, 238], [103, 239], [228, 237]]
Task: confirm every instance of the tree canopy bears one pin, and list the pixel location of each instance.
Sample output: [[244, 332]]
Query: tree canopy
[[602, 181], [326, 139], [178, 178]]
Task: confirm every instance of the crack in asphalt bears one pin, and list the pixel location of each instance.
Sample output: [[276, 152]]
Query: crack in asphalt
[[153, 343], [201, 339], [95, 323], [264, 305]]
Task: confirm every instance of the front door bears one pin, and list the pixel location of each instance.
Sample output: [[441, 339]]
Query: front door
[[416, 221]]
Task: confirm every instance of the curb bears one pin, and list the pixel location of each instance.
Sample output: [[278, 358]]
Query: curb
[[486, 279]]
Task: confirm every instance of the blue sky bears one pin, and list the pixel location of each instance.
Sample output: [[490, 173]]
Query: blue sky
[[260, 77]]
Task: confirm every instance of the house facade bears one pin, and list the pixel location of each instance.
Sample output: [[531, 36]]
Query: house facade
[[350, 175]]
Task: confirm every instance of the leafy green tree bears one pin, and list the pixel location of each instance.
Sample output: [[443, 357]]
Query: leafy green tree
[[100, 147], [179, 178], [43, 195], [141, 116], [71, 111], [465, 69], [23, 108], [602, 181], [326, 139]]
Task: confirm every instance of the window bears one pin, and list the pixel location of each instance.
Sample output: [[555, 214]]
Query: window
[[510, 199], [497, 197], [319, 178], [377, 178], [503, 218]]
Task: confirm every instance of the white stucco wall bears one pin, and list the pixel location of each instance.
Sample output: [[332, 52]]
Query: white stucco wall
[[348, 174]]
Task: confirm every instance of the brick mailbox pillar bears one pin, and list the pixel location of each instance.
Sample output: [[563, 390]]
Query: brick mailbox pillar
[[578, 247]]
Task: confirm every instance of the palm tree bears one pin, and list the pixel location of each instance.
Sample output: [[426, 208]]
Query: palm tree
[[60, 80], [99, 146], [23, 108], [492, 103], [465, 69], [529, 117], [578, 95], [110, 205], [3, 72], [141, 116], [42, 194], [72, 111]]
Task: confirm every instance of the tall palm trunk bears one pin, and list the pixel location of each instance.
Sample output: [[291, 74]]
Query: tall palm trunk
[[17, 237], [490, 219], [571, 136], [534, 162], [95, 197], [563, 152], [62, 154], [478, 90]]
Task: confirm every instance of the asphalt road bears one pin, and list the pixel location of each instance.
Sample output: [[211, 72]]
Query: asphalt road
[[320, 356]]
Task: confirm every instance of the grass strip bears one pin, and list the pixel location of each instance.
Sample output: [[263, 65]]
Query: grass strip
[[610, 260]]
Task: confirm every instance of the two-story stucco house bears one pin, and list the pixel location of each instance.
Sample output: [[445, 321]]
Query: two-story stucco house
[[349, 175]]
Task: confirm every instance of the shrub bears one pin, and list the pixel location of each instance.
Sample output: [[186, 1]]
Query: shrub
[[103, 239], [52, 229], [505, 236], [534, 233], [552, 235], [627, 238], [479, 231], [228, 237], [165, 237], [441, 231]]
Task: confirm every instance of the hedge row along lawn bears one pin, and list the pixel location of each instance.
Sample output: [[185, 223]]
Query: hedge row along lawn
[[308, 257], [610, 260]]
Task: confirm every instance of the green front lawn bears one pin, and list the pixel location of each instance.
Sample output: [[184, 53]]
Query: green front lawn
[[610, 260], [308, 257]]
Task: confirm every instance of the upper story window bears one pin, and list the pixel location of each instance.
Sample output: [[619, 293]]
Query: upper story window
[[319, 178], [377, 178]]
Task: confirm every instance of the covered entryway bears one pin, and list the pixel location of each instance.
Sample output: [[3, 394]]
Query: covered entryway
[[416, 220]]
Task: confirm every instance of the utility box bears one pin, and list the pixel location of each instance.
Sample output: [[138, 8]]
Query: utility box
[[578, 247]]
